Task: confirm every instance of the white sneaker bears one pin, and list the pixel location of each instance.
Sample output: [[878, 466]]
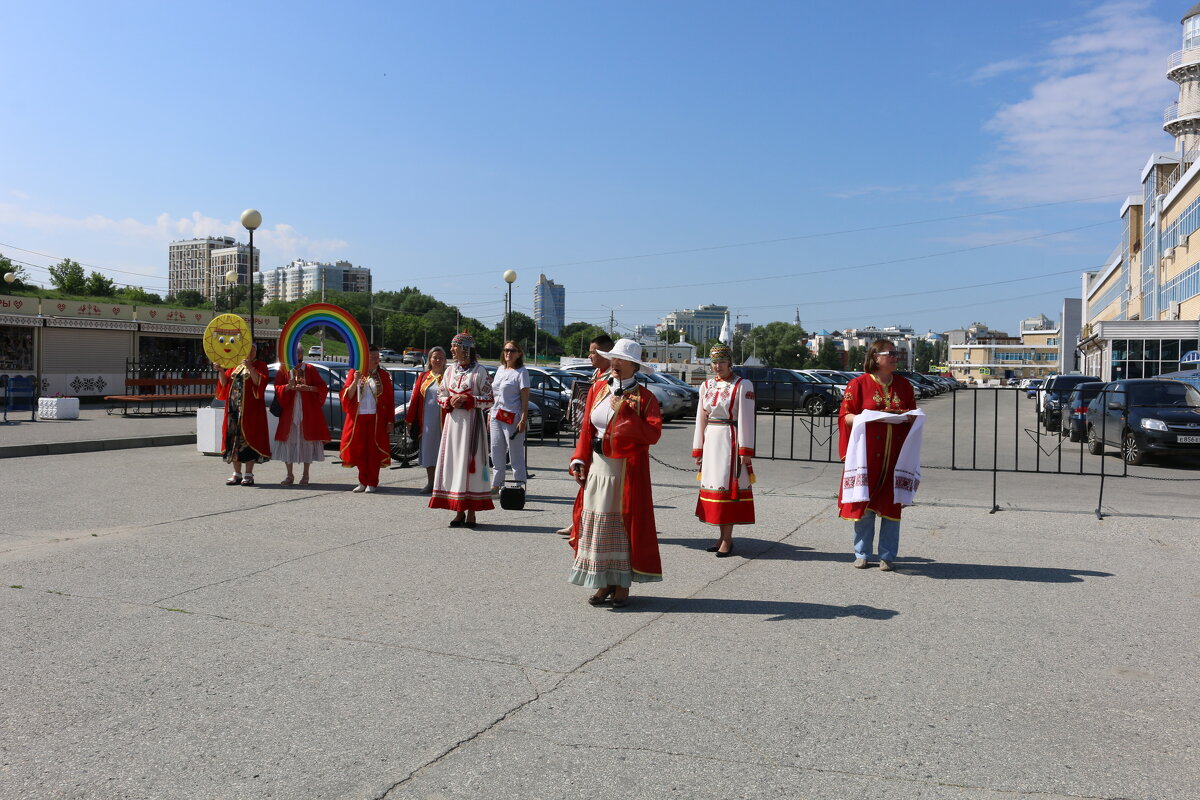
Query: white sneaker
[[359, 488], [372, 489]]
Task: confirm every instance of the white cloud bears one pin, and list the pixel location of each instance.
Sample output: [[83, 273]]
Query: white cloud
[[1094, 116], [279, 243]]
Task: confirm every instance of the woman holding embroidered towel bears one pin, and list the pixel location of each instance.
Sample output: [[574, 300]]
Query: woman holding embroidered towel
[[869, 480], [462, 480], [370, 407], [302, 432], [615, 539], [723, 447]]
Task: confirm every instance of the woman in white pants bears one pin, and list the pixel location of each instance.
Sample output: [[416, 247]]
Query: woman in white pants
[[507, 424]]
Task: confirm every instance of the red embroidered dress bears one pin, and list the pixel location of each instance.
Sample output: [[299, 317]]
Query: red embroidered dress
[[362, 441], [866, 393], [625, 444], [724, 433]]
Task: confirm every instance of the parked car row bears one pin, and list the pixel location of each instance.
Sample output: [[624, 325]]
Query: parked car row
[[1145, 417]]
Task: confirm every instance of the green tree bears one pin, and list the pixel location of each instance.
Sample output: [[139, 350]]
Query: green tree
[[779, 344], [576, 337], [188, 298], [21, 276], [924, 355], [67, 276], [829, 356], [97, 285], [139, 296], [671, 335], [855, 358]]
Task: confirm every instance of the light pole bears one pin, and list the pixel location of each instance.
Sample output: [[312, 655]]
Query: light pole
[[510, 277], [251, 219]]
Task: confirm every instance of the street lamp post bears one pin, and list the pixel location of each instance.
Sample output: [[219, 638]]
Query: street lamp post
[[251, 219], [510, 277]]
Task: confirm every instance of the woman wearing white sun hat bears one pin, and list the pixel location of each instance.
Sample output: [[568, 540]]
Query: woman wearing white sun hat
[[615, 539]]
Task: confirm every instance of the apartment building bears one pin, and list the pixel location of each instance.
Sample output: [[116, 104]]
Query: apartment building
[[1141, 310], [979, 353], [301, 278], [200, 265], [698, 325]]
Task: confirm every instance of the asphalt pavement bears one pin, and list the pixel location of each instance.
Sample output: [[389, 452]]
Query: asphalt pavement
[[167, 636]]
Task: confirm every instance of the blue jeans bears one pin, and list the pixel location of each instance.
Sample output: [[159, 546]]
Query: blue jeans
[[864, 536]]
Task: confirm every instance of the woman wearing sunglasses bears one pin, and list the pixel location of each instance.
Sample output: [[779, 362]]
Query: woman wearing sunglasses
[[877, 390], [510, 387]]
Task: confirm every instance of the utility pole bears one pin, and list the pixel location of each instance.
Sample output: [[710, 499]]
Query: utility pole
[[612, 331]]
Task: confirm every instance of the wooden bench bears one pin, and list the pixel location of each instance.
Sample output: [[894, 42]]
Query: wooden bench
[[152, 392]]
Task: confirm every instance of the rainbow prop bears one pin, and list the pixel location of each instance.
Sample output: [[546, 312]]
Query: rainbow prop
[[331, 316]]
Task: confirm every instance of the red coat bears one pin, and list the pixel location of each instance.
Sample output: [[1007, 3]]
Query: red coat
[[884, 440], [415, 413], [253, 413], [313, 425], [632, 444], [385, 413]]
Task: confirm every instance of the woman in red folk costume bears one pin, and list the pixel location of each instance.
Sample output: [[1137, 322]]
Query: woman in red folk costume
[[723, 447], [302, 432], [878, 390], [245, 438], [425, 415], [367, 432], [615, 540], [462, 482]]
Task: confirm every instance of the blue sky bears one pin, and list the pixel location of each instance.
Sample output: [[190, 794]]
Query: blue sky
[[861, 162]]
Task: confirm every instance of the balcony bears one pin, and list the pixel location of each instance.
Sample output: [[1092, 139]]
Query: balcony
[[1183, 57]]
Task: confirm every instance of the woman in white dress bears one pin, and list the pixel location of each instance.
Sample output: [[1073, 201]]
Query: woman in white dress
[[302, 432], [510, 387], [425, 415], [461, 482], [723, 447]]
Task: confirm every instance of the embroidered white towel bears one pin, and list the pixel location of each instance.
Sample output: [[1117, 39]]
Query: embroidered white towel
[[855, 482]]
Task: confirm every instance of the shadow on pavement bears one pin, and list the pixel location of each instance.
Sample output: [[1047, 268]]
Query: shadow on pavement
[[774, 610], [942, 570], [763, 548]]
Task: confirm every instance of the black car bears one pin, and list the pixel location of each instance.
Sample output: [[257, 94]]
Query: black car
[[917, 379], [1145, 417], [781, 389], [1053, 396], [1074, 413]]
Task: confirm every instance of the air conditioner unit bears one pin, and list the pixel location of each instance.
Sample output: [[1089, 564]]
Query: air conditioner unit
[[1174, 310]]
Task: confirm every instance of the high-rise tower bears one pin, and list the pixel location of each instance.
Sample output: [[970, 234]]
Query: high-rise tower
[[1182, 118]]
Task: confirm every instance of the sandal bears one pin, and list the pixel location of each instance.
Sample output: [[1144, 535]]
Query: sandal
[[304, 481], [248, 480], [620, 602], [600, 597], [288, 481], [234, 480]]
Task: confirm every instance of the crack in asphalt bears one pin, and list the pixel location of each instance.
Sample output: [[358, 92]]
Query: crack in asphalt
[[581, 667], [775, 764]]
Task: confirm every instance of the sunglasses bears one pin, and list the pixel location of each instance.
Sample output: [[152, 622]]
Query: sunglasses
[[511, 350], [891, 353]]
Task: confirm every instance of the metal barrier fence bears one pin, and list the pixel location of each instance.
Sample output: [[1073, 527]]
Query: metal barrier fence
[[1001, 430]]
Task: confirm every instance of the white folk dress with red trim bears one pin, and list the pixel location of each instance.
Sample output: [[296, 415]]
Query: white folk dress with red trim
[[724, 433], [462, 481]]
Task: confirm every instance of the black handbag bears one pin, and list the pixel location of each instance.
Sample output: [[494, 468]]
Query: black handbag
[[512, 496], [276, 408]]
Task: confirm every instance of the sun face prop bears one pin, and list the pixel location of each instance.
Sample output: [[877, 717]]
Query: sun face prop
[[227, 340]]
